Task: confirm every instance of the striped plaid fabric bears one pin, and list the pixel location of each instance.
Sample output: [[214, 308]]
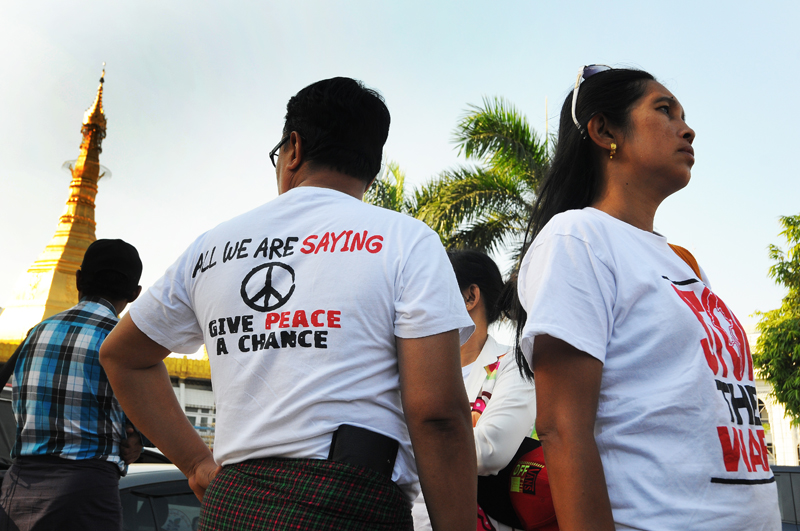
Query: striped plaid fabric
[[291, 494], [62, 400]]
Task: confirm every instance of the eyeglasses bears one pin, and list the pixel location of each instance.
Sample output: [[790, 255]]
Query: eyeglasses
[[585, 72], [275, 150]]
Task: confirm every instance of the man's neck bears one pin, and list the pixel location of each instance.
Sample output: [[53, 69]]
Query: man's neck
[[118, 304], [333, 180]]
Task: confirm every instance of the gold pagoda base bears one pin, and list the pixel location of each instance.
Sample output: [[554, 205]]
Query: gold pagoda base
[[37, 296]]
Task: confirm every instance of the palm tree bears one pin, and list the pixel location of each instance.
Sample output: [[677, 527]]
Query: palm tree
[[486, 205], [388, 191]]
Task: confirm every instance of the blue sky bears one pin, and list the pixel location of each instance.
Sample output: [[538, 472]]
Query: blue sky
[[195, 94]]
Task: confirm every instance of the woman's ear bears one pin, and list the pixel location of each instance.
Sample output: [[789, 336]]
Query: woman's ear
[[602, 133], [472, 296]]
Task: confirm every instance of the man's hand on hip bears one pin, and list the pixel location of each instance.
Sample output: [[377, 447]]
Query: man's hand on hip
[[201, 476], [131, 448]]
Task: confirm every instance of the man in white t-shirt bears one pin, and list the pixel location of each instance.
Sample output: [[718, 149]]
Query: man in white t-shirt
[[317, 310]]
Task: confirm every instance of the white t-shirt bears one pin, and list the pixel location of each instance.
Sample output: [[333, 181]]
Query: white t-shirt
[[298, 303], [678, 427]]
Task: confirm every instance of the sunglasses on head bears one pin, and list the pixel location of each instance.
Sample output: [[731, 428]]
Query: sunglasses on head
[[585, 72]]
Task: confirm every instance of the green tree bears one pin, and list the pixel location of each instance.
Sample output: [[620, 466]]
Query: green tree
[[486, 205], [777, 352]]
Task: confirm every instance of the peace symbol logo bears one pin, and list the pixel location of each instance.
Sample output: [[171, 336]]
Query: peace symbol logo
[[268, 282]]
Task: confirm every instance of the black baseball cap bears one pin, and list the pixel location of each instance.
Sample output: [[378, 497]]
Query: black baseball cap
[[113, 255]]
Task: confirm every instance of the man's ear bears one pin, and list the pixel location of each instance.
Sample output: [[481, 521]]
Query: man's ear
[[602, 133], [369, 185], [136, 294], [472, 296], [78, 279], [295, 150]]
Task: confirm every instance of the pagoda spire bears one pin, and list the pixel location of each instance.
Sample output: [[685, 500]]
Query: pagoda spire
[[48, 287]]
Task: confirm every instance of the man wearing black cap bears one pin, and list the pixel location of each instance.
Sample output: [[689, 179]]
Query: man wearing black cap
[[72, 441]]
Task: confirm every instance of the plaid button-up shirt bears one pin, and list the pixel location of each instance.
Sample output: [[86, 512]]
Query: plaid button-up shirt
[[62, 400]]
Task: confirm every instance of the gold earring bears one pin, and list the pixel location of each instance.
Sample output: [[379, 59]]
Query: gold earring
[[613, 151]]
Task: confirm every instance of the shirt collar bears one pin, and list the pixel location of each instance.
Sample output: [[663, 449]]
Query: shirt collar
[[101, 301], [491, 352]]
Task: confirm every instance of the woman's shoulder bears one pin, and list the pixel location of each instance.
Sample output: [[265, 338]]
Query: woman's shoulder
[[576, 222], [586, 225], [572, 240]]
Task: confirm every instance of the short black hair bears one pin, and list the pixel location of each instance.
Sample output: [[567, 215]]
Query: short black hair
[[343, 124]]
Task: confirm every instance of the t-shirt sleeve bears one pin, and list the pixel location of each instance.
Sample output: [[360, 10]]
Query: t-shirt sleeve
[[165, 312], [428, 300], [568, 293]]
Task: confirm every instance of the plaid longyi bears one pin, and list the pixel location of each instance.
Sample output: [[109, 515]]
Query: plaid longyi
[[292, 494]]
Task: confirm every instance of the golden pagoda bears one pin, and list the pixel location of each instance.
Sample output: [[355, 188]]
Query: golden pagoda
[[48, 287]]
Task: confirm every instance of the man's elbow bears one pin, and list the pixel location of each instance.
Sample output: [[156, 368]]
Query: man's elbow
[[545, 431], [441, 420], [553, 433], [445, 425]]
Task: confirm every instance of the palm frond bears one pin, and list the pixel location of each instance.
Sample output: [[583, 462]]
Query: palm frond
[[388, 190], [502, 137], [485, 205], [489, 233], [460, 197]]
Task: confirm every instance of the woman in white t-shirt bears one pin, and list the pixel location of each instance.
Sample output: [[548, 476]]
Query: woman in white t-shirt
[[503, 402], [646, 404]]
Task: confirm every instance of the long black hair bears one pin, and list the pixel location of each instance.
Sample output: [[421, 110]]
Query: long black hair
[[475, 267], [574, 180]]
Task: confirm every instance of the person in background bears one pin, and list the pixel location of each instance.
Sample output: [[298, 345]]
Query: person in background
[[73, 441], [503, 402], [317, 310], [644, 380]]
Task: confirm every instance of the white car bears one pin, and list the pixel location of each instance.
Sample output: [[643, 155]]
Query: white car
[[157, 497]]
